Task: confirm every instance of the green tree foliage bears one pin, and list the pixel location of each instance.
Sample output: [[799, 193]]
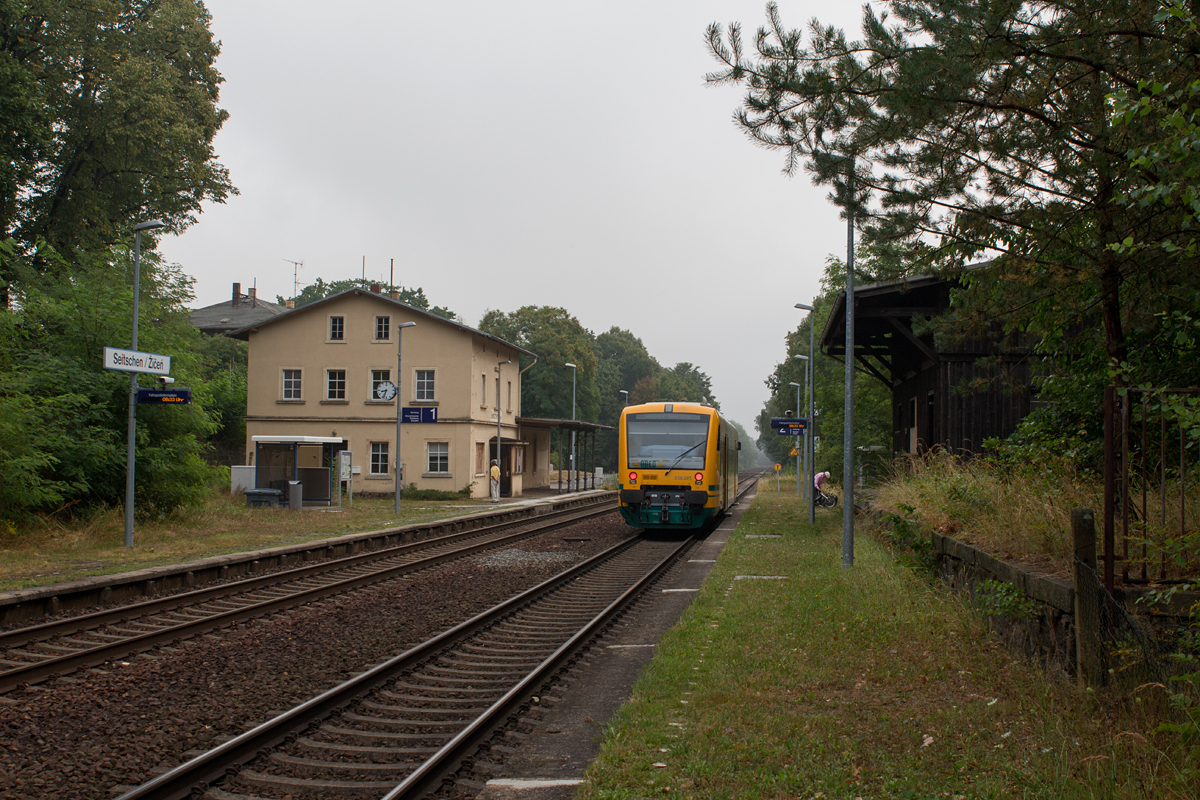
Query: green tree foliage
[[109, 112], [224, 366], [62, 435], [621, 361], [976, 127], [320, 289], [558, 339]]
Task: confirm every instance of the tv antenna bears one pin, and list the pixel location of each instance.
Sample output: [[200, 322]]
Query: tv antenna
[[296, 265]]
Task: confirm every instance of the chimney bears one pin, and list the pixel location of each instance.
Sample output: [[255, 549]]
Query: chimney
[[290, 303], [237, 295], [394, 294], [253, 296], [376, 288]]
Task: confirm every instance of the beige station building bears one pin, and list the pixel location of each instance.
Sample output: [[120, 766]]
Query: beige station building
[[314, 376]]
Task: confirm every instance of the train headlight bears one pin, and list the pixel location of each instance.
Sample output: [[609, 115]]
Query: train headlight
[[633, 477], [699, 478]]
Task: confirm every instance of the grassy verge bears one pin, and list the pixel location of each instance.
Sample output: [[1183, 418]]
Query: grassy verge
[[859, 683], [49, 552]]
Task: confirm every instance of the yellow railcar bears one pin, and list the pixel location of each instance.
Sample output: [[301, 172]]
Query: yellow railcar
[[677, 465]]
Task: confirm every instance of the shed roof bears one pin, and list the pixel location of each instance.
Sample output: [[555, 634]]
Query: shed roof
[[224, 316]]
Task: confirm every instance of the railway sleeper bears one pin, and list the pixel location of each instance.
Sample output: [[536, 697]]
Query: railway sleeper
[[360, 749], [425, 739], [471, 702], [427, 728], [317, 768], [348, 788]]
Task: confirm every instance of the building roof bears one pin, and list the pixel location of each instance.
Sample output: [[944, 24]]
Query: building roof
[[564, 424], [230, 315], [244, 332]]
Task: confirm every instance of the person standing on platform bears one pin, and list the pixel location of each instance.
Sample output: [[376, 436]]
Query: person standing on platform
[[495, 481]]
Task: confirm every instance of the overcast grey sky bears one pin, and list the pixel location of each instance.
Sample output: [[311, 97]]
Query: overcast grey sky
[[522, 153]]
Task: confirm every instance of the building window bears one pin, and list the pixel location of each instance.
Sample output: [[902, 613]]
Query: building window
[[337, 329], [424, 387], [379, 458], [509, 403], [378, 376], [337, 384], [483, 390], [518, 460], [291, 384], [439, 457], [480, 458], [383, 326]]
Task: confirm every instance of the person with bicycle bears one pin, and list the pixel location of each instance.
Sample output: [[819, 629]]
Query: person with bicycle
[[819, 497]]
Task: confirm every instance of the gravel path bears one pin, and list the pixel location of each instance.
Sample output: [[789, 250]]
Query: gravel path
[[80, 736]]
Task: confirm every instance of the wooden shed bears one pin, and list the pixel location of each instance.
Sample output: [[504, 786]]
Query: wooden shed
[[950, 395]]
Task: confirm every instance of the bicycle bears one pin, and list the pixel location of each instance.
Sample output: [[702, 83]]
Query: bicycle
[[825, 500]]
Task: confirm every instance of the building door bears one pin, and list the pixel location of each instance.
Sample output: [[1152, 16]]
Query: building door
[[505, 468]]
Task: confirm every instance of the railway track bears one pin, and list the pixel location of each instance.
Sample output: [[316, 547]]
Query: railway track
[[396, 731], [36, 653]]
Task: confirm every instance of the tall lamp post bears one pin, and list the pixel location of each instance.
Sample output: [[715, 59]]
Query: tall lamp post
[[499, 460], [131, 433], [625, 399], [810, 456], [800, 442], [572, 480], [399, 405]]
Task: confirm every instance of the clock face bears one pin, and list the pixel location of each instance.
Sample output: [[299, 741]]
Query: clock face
[[385, 390]]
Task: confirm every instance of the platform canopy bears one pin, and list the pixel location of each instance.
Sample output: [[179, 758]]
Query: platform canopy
[[284, 439]]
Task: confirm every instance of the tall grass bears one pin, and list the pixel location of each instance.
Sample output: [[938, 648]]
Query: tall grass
[[1016, 514]]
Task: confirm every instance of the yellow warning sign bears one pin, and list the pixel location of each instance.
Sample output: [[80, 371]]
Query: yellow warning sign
[[794, 452], [778, 467]]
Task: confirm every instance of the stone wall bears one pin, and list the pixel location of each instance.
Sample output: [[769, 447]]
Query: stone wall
[[1049, 636]]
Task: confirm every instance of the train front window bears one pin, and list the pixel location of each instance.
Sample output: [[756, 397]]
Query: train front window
[[666, 441]]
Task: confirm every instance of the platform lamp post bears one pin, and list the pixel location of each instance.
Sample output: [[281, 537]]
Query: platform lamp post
[[399, 405], [499, 460], [571, 479], [799, 471], [810, 456], [131, 432], [625, 399]]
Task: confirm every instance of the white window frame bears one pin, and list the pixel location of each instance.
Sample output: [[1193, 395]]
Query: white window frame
[[329, 384], [417, 398], [329, 337], [283, 384], [387, 321], [373, 454], [429, 458], [372, 383]]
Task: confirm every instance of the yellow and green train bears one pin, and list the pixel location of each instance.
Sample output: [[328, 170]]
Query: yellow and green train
[[678, 465]]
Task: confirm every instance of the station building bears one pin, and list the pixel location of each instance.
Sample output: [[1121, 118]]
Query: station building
[[312, 392]]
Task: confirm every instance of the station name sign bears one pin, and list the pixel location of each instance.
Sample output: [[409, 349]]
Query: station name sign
[[136, 361]]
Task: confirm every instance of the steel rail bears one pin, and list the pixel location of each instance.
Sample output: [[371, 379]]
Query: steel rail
[[59, 665], [455, 752], [179, 782]]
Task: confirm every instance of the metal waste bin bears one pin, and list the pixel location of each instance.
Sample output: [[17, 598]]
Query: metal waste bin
[[295, 495], [263, 498]]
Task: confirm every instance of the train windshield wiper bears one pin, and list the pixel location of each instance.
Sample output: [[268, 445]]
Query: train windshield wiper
[[684, 453]]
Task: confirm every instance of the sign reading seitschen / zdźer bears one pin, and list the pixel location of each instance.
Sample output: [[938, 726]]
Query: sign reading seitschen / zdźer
[[135, 361]]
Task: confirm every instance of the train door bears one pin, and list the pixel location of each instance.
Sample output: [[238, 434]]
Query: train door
[[723, 439]]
